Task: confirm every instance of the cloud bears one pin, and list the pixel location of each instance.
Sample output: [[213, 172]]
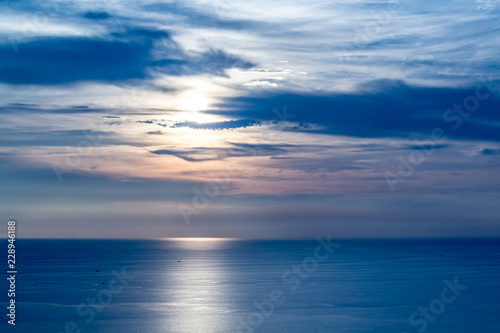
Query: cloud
[[22, 105], [488, 151], [486, 4], [201, 154], [97, 15], [193, 16], [220, 125], [428, 146], [378, 109], [155, 132], [119, 57], [230, 124], [361, 80], [33, 108], [64, 60], [17, 137], [212, 61]]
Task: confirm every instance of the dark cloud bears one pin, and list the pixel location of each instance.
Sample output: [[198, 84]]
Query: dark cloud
[[154, 133], [213, 61], [201, 154], [33, 108], [65, 60], [21, 105], [126, 56], [13, 138], [231, 124], [97, 15], [216, 61], [490, 151], [221, 125], [429, 147], [378, 109]]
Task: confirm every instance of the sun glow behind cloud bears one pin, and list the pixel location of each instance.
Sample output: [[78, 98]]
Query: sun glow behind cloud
[[194, 100], [197, 116]]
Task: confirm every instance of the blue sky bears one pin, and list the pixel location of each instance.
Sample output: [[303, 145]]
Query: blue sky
[[259, 119]]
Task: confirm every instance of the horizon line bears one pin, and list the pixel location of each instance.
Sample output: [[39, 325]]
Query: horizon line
[[261, 239]]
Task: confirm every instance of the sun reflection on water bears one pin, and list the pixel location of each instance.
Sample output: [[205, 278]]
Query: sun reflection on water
[[197, 284]]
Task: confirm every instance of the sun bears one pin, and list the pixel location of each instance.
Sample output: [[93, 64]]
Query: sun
[[194, 100]]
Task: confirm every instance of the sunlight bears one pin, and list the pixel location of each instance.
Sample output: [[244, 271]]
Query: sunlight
[[198, 239], [198, 243], [198, 117], [194, 100]]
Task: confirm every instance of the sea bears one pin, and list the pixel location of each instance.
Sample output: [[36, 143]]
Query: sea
[[222, 285]]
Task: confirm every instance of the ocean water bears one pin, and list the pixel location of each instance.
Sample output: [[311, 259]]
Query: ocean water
[[256, 286]]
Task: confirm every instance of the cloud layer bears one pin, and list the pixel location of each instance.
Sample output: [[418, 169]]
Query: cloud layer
[[355, 118]]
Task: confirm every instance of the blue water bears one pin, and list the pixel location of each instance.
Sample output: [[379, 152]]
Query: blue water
[[177, 286]]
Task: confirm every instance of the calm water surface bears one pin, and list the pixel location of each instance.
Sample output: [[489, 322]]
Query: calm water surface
[[260, 286]]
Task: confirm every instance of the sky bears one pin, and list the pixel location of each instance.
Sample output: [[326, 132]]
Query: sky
[[253, 120]]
